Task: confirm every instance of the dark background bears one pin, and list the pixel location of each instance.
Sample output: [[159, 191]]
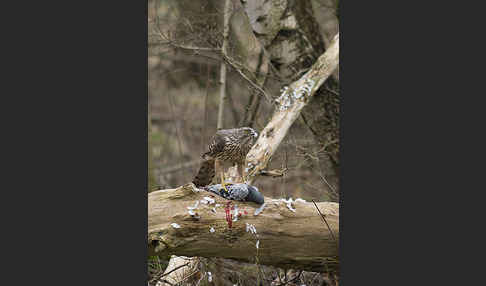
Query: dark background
[[74, 104]]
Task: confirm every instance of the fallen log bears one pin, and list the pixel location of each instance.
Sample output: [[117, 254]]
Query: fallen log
[[188, 221]]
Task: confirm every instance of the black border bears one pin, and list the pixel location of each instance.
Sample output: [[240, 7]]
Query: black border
[[406, 116], [75, 101]]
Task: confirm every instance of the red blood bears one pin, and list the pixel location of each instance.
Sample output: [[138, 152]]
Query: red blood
[[229, 216], [245, 212]]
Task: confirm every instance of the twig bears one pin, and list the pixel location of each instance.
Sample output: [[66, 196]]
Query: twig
[[167, 282], [273, 173], [157, 277], [327, 183], [238, 69], [178, 267], [332, 91], [185, 47], [187, 277], [225, 57], [324, 218], [293, 279]]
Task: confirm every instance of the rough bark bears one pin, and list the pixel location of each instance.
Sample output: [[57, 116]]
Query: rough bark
[[287, 239], [290, 104], [265, 18]]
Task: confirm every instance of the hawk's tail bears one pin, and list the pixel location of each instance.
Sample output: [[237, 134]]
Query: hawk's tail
[[205, 174]]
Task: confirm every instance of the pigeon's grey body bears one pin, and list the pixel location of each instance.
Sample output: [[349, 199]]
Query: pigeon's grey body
[[237, 192]]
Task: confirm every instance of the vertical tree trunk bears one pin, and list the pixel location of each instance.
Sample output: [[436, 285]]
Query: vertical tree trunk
[[151, 177], [222, 76]]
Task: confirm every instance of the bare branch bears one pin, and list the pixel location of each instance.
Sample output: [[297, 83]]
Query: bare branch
[[238, 68], [291, 102]]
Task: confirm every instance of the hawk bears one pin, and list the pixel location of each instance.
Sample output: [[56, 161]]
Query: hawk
[[226, 146]]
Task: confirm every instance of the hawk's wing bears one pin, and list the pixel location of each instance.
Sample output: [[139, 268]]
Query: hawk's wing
[[217, 144], [205, 174]]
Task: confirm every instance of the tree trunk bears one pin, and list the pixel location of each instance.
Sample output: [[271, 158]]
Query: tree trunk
[[151, 178], [296, 239], [291, 102], [222, 73]]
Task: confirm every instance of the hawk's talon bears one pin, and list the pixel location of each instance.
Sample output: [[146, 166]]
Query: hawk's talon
[[222, 183]]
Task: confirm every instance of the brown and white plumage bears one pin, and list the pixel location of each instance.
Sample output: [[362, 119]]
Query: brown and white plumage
[[227, 145]]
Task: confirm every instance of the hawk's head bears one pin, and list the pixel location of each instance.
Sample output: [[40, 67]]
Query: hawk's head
[[250, 131]]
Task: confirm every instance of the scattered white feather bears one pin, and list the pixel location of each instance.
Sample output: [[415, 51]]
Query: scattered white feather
[[175, 225], [260, 209], [217, 205], [211, 230], [287, 202], [235, 213], [257, 244], [300, 200], [191, 212], [209, 200], [289, 205], [213, 210], [251, 228], [210, 277]]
